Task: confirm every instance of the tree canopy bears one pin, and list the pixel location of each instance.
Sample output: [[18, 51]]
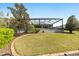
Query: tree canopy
[[71, 23], [22, 19]]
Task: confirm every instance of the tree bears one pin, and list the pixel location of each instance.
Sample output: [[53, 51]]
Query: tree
[[22, 19], [71, 23]]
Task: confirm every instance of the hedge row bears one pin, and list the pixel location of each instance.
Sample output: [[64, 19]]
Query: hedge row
[[6, 35]]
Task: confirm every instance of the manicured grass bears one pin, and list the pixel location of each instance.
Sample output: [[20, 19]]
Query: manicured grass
[[46, 43]]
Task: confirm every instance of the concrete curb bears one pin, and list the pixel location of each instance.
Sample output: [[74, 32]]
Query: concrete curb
[[68, 53], [13, 49], [14, 53]]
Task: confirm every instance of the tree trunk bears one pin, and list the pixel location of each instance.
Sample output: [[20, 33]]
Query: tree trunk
[[70, 31]]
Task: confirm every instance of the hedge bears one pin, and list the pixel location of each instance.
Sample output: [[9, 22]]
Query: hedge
[[6, 34]]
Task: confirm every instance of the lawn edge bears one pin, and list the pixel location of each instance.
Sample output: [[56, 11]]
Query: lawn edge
[[13, 49]]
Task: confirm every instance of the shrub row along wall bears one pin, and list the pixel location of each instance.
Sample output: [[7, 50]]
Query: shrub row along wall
[[6, 35]]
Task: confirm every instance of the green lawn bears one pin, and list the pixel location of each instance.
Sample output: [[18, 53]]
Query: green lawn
[[46, 43]]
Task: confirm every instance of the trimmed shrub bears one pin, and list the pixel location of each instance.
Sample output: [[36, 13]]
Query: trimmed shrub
[[37, 30], [6, 35], [31, 28]]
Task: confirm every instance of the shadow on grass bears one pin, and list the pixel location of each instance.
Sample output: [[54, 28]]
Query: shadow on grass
[[7, 54], [67, 33]]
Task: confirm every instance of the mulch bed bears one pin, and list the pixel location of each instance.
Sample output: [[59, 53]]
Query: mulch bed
[[6, 50]]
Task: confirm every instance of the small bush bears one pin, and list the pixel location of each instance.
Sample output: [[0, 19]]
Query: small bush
[[37, 30], [31, 29], [6, 35]]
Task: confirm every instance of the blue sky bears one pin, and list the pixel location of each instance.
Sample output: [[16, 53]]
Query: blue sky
[[54, 10]]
